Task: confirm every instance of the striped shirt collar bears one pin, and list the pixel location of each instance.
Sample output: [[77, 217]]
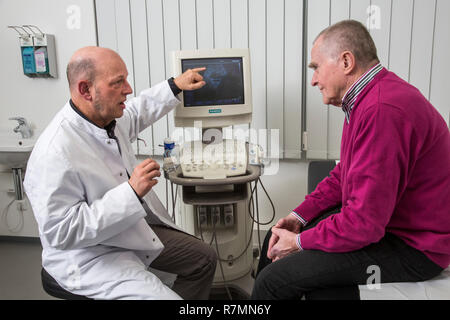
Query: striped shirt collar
[[352, 93]]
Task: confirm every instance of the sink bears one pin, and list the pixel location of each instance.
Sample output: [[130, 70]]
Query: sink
[[15, 151]]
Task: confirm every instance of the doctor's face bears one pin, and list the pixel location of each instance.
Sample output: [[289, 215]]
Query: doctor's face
[[111, 89], [328, 76]]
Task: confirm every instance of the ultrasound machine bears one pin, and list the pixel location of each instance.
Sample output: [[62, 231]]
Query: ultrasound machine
[[214, 169]]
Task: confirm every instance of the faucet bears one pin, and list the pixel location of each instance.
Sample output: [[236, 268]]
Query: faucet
[[23, 127]]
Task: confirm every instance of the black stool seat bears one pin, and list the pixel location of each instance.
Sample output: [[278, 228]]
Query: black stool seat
[[53, 288]]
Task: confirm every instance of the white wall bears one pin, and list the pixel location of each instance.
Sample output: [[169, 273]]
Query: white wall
[[145, 32], [36, 99], [39, 99]]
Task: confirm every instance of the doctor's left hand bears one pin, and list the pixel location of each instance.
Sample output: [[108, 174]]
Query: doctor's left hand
[[285, 245], [143, 177]]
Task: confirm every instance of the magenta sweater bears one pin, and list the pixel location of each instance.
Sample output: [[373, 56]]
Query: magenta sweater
[[394, 176]]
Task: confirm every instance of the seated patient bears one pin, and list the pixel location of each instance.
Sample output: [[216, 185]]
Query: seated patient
[[391, 187], [101, 225]]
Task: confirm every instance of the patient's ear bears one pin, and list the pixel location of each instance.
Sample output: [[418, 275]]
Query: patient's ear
[[348, 62]]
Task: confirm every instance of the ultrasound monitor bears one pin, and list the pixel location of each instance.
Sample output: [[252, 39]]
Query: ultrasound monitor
[[226, 97]]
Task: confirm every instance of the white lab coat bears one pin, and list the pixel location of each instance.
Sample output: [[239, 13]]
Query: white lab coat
[[95, 239]]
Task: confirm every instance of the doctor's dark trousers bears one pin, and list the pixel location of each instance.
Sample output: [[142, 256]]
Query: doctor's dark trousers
[[318, 275], [192, 260]]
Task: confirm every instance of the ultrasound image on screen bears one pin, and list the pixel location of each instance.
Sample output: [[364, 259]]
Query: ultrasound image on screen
[[224, 82]]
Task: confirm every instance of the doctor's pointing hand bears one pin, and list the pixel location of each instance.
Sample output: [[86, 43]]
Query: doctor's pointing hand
[[191, 79]]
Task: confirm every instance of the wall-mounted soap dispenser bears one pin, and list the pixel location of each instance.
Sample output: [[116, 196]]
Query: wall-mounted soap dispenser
[[26, 50], [38, 52]]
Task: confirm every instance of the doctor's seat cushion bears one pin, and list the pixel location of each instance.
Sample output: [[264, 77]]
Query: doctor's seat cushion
[[54, 289]]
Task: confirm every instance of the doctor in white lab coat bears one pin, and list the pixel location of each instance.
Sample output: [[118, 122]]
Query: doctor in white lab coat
[[101, 225]]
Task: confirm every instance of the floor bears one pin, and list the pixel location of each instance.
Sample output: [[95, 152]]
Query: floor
[[20, 270], [20, 277]]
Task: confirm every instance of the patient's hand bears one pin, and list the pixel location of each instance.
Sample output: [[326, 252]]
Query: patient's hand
[[290, 223], [284, 245]]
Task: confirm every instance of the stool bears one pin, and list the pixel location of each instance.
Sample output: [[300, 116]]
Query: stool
[[54, 289]]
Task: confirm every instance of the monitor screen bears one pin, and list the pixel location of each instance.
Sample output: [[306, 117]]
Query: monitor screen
[[224, 82]]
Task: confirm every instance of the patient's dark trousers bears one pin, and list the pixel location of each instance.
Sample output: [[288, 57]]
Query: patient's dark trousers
[[316, 275]]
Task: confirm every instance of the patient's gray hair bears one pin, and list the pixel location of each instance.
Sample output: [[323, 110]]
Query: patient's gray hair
[[81, 68], [349, 35]]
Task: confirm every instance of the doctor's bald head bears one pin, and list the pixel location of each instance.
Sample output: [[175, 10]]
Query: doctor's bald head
[[98, 83], [87, 63], [80, 66]]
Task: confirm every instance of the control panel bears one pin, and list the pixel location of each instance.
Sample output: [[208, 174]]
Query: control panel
[[211, 217], [214, 161]]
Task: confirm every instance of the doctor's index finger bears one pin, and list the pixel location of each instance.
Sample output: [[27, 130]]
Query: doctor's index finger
[[147, 165], [151, 166], [152, 175], [199, 69], [145, 162]]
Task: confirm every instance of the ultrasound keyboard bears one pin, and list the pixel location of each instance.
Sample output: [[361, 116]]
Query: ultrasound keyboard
[[213, 161]]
